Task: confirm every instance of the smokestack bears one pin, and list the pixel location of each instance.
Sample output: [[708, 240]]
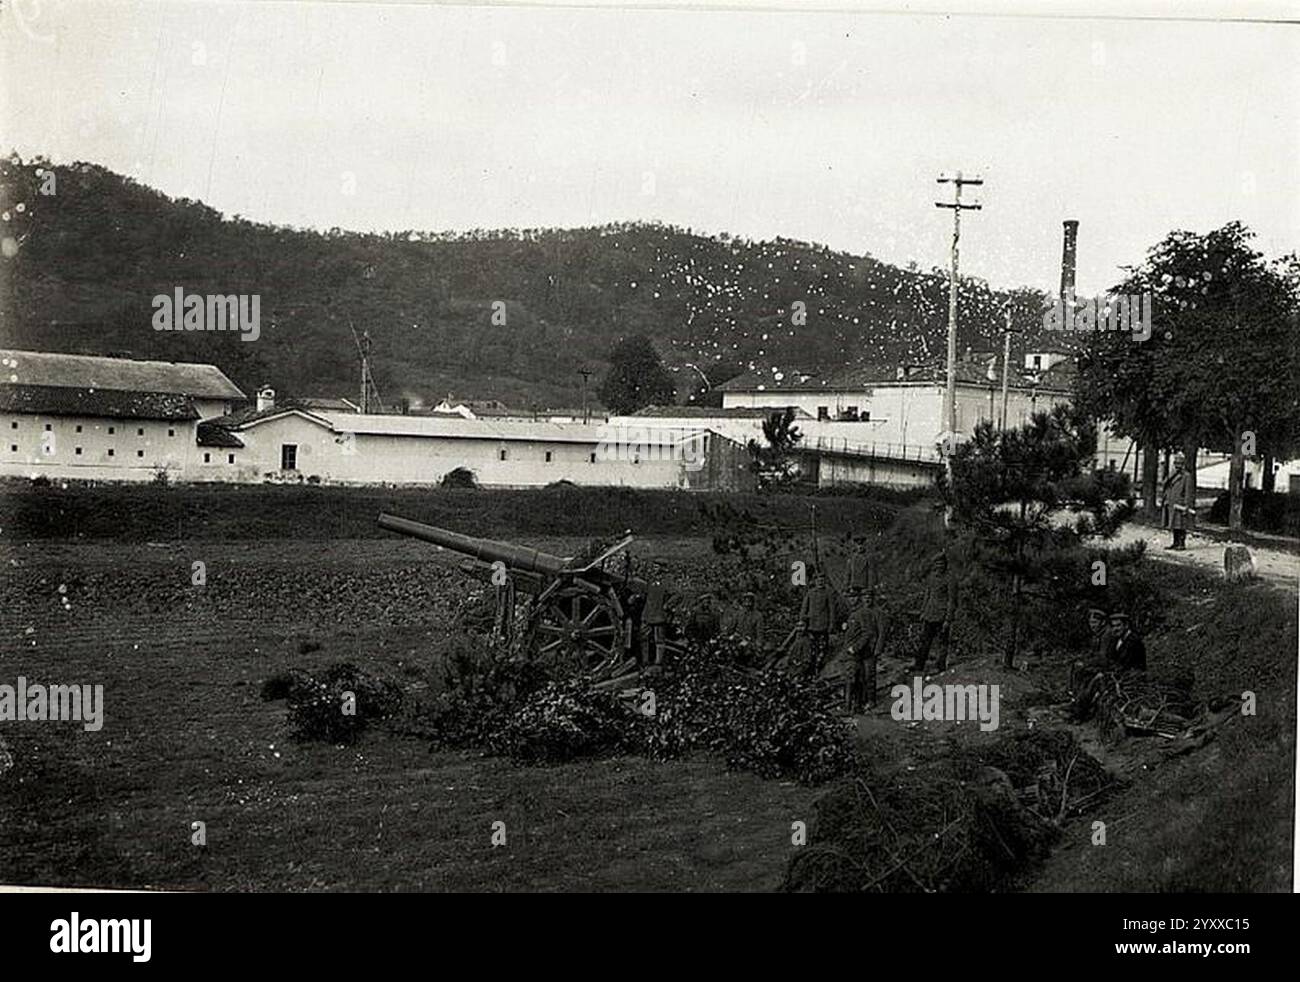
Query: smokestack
[[1069, 256]]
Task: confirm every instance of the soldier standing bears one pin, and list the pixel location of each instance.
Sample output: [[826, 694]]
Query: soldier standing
[[654, 616], [862, 569], [817, 617], [1179, 504], [937, 611], [864, 641]]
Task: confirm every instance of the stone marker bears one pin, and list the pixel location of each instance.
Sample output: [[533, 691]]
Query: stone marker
[[1238, 564]]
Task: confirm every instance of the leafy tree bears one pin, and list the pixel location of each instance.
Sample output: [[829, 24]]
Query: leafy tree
[[1027, 492], [773, 462], [637, 378], [1220, 366]]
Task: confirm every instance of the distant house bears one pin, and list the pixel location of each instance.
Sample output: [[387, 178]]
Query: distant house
[[83, 417]]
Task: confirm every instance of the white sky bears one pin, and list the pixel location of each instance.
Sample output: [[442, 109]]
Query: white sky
[[829, 127]]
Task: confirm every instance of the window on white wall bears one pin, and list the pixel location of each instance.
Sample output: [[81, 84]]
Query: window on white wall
[[548, 456], [501, 454], [207, 458]]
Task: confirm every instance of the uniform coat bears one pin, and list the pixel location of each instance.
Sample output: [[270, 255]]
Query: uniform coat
[[1179, 500]]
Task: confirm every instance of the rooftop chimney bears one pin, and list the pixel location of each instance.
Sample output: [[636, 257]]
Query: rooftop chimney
[[1069, 256], [265, 398]]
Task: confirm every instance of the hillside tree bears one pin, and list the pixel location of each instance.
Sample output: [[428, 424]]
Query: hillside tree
[[637, 377]]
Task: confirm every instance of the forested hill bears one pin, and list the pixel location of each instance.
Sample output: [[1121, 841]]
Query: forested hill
[[90, 257]]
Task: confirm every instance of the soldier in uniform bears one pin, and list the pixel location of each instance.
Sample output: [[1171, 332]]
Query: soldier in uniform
[[1100, 646], [1130, 652], [1179, 504], [864, 641], [747, 624], [702, 625], [862, 569], [1125, 652], [654, 616], [938, 609], [817, 618]]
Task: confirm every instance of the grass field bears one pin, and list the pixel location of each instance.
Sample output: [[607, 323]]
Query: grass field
[[187, 737]]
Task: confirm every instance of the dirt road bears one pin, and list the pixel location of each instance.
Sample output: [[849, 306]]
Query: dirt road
[[1274, 566]]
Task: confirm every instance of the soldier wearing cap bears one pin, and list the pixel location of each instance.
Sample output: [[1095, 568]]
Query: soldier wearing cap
[[1129, 652], [818, 616], [864, 641], [1179, 504], [937, 610], [746, 623], [862, 569], [1101, 642]]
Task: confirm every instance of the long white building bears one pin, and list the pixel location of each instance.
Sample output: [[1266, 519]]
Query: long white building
[[79, 417], [87, 417]]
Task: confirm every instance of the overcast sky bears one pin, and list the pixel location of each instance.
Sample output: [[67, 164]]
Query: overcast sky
[[828, 127]]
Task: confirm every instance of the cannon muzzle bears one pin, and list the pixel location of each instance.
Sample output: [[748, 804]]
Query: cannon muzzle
[[521, 558]]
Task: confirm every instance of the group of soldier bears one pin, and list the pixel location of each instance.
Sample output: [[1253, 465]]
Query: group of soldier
[[866, 623], [857, 615], [1114, 647]]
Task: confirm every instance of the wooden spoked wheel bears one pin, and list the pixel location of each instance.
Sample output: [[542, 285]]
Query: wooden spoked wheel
[[578, 628]]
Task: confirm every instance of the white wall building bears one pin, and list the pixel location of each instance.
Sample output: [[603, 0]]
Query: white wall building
[[88, 417], [288, 443]]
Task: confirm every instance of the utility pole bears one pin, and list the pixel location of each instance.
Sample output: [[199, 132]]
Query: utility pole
[[365, 371], [586, 374], [950, 392], [1006, 367]]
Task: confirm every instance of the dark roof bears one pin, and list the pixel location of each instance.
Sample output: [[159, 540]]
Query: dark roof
[[56, 400], [50, 368], [321, 402], [213, 435], [713, 412]]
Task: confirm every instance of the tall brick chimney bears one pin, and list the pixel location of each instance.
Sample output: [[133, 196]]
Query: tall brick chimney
[[1069, 256]]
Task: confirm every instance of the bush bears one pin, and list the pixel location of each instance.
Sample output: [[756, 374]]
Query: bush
[[482, 693], [974, 822], [460, 477], [770, 723], [567, 720], [317, 703], [1271, 512]]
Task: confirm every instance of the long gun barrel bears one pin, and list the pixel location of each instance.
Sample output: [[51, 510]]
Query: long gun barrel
[[515, 557]]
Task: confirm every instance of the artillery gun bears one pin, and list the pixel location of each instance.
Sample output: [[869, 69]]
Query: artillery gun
[[581, 614]]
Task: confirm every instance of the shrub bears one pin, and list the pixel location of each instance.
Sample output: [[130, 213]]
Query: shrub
[[1262, 511], [770, 723], [460, 477], [317, 703], [566, 720]]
